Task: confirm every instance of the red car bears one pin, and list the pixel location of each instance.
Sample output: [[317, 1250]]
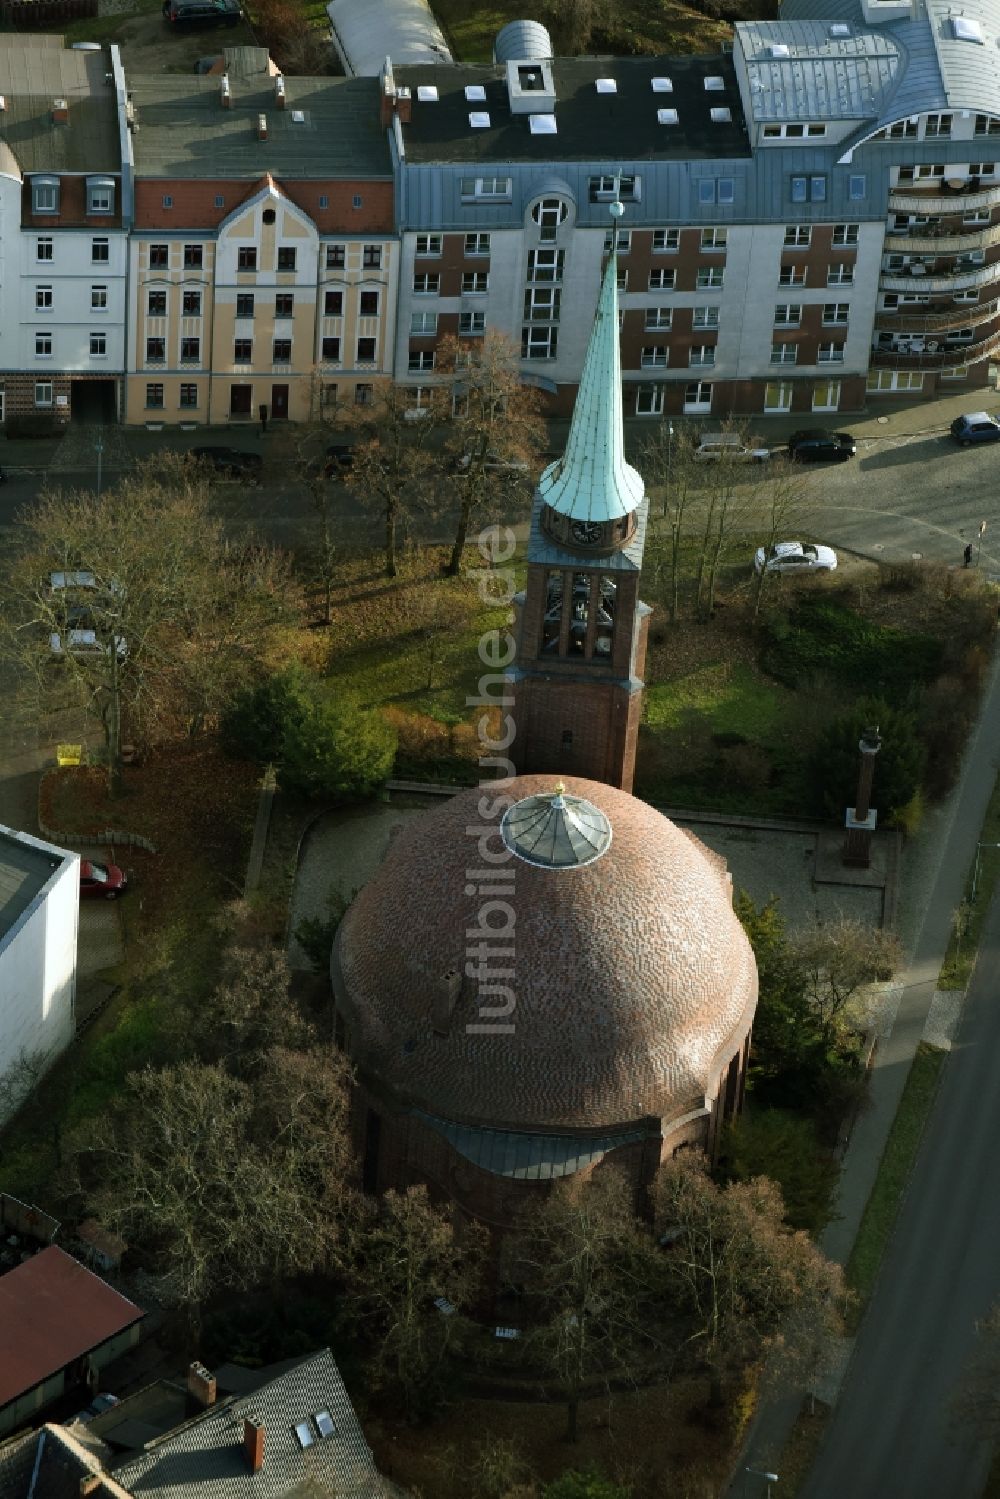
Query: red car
[[101, 879]]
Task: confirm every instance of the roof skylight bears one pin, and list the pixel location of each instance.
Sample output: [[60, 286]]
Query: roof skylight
[[666, 117], [779, 49], [839, 29], [714, 84], [663, 85], [324, 1423], [721, 116], [475, 93], [967, 29], [304, 1433], [606, 86], [298, 117], [542, 124], [427, 93], [479, 119]]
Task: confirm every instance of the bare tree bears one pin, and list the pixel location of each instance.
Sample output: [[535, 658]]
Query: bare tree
[[667, 462], [394, 466], [840, 961], [495, 435], [778, 504], [725, 504]]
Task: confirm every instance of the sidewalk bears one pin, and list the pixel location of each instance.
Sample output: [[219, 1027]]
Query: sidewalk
[[933, 889]]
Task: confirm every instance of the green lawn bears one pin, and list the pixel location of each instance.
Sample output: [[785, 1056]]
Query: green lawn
[[730, 699], [634, 26]]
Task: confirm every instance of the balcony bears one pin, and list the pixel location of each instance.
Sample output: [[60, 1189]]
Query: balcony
[[958, 316], [943, 199], [939, 240], [945, 281], [940, 358]]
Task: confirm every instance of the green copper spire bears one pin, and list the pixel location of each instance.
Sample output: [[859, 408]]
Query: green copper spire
[[592, 481]]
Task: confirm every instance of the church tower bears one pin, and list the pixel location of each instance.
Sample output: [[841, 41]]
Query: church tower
[[581, 627]]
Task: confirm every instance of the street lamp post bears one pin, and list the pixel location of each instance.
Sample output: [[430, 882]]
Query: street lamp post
[[670, 460], [975, 872], [768, 1478], [979, 549], [99, 450]]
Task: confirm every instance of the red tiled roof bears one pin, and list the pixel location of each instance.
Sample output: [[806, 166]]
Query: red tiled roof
[[53, 1310]]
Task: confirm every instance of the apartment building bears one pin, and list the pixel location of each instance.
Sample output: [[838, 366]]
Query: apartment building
[[262, 258], [65, 200]]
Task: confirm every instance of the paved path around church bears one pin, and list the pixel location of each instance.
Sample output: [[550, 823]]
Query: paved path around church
[[888, 1434]]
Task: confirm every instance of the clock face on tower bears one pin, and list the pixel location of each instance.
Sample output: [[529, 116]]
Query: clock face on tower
[[586, 533]]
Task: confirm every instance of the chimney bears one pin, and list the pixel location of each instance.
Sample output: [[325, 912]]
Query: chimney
[[253, 1445], [224, 92], [90, 1484], [262, 127], [404, 104], [279, 92], [201, 1385], [445, 999], [388, 95], [60, 112]]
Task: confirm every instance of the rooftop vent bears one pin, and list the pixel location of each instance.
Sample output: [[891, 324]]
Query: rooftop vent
[[663, 85], [666, 117], [967, 30], [543, 125], [225, 92], [427, 93], [530, 87], [779, 49], [839, 29], [714, 84], [475, 93], [479, 119], [279, 91], [529, 78], [520, 40], [606, 86], [721, 116], [253, 1445], [60, 112]]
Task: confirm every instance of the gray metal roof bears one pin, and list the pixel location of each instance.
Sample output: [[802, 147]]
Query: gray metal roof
[[590, 126], [365, 34], [521, 41], [527, 1157], [26, 866], [205, 1456], [183, 129], [34, 72], [819, 77]]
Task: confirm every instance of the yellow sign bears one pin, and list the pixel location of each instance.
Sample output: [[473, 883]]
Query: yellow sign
[[69, 754]]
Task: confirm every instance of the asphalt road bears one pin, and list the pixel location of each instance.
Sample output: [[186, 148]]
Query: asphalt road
[[891, 1433]]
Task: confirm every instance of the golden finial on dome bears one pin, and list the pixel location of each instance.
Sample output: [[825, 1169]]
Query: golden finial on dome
[[560, 787]]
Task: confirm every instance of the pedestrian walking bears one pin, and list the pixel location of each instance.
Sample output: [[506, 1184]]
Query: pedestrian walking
[[263, 419], [967, 554]]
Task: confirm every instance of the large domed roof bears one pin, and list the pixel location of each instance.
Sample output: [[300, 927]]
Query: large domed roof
[[632, 978]]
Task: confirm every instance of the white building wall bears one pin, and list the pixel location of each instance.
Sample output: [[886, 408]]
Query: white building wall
[[73, 275]]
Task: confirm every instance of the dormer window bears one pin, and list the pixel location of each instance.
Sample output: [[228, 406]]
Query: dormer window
[[100, 195], [606, 189], [45, 194]]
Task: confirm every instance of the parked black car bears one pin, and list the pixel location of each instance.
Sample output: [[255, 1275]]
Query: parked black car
[[185, 14], [821, 447], [231, 463], [339, 460]]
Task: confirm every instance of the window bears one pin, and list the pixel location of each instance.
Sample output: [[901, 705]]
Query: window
[[333, 304], [701, 355], [193, 257], [364, 395], [787, 315], [654, 356], [191, 304], [784, 353], [371, 258], [706, 190], [539, 342], [43, 248], [100, 251], [987, 125], [425, 285], [846, 234], [937, 126], [336, 257], [477, 244], [545, 265], [793, 132], [807, 189], [284, 304], [188, 396], [43, 298], [830, 353], [606, 189], [541, 304], [43, 345], [330, 350], [649, 400], [826, 396], [156, 350], [705, 317], [430, 244], [220, 201], [98, 299], [45, 194], [698, 397], [98, 345], [835, 312], [472, 323], [368, 303], [154, 397], [777, 396], [709, 277], [476, 282], [662, 280], [167, 200], [726, 190], [894, 380], [658, 318], [485, 187], [621, 281], [281, 350], [622, 241], [423, 322], [713, 239], [43, 392], [665, 241], [158, 257], [366, 351], [840, 275], [190, 350], [420, 360], [901, 130], [548, 215], [244, 304], [857, 189], [286, 258], [156, 304], [100, 195], [797, 236], [357, 200], [792, 275], [242, 350], [246, 258]]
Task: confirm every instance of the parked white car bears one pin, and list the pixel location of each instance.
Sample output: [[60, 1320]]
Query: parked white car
[[713, 446], [795, 557]]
